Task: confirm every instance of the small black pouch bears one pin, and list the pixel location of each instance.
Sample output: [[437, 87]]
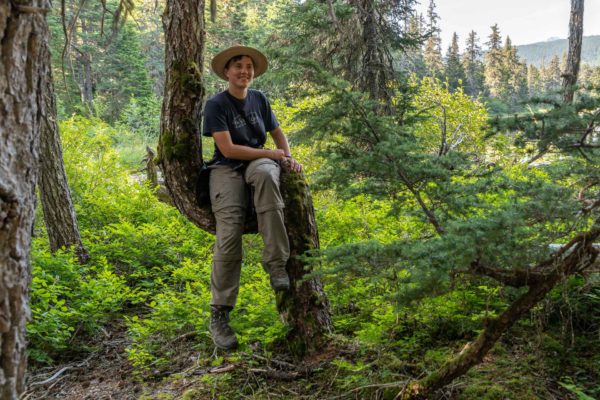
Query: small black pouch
[[203, 185]]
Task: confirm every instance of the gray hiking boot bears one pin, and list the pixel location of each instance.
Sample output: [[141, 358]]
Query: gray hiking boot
[[280, 279], [222, 334]]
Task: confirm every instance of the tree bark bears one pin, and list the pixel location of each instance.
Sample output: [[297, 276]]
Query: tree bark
[[84, 66], [574, 54], [574, 257], [304, 308], [180, 148], [59, 214], [23, 31], [86, 82], [375, 71]]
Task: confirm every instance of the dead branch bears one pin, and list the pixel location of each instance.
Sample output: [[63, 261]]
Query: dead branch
[[52, 378], [222, 370]]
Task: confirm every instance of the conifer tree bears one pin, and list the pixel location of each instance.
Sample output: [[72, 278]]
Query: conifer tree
[[551, 75], [358, 42], [473, 66], [590, 75], [514, 73], [534, 81], [433, 45], [124, 63], [454, 69], [494, 76], [93, 48], [413, 60]]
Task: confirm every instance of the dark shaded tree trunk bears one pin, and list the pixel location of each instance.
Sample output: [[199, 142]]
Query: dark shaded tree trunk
[[84, 67], [574, 54], [305, 308], [23, 31], [376, 66], [59, 214], [86, 82], [573, 258]]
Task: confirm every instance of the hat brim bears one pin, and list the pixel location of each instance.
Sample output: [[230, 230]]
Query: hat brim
[[259, 59]]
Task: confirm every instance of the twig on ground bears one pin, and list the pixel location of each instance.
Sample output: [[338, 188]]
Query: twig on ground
[[222, 370], [55, 383], [52, 378], [184, 336]]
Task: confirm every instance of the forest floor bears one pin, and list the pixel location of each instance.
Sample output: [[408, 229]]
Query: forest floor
[[105, 373], [345, 370]]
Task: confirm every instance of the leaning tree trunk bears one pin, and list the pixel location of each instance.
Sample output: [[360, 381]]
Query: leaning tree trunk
[[304, 308], [574, 54], [59, 214], [574, 257], [23, 31]]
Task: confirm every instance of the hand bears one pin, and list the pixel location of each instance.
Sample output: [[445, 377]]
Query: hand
[[292, 164], [277, 155]]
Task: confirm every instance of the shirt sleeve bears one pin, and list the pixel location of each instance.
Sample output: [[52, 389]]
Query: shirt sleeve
[[269, 117], [215, 119]]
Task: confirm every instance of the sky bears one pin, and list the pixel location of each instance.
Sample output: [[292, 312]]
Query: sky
[[525, 21]]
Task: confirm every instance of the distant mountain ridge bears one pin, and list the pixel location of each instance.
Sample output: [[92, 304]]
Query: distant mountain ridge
[[542, 52]]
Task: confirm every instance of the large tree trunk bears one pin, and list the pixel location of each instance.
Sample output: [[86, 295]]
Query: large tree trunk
[[305, 309], [574, 55], [573, 258], [23, 30], [180, 148], [59, 214]]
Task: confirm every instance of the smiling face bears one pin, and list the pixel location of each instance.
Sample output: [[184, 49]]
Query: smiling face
[[240, 72]]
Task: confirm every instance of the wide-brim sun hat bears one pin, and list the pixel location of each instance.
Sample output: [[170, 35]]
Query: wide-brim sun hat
[[260, 60]]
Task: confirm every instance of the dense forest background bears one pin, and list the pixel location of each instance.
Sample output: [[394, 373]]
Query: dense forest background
[[435, 174]]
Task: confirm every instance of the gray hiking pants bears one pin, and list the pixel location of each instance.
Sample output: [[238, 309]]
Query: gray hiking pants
[[228, 198]]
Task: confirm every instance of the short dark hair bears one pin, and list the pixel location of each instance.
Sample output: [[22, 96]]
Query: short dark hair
[[237, 58]]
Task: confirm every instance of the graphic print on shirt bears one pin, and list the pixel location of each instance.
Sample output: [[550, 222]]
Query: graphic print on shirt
[[239, 122]]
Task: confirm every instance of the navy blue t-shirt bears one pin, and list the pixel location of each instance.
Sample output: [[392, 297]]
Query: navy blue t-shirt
[[220, 114]]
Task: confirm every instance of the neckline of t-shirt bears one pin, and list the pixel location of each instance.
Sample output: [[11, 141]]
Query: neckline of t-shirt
[[240, 101]]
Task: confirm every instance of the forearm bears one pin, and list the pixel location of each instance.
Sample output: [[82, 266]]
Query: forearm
[[281, 141], [238, 152]]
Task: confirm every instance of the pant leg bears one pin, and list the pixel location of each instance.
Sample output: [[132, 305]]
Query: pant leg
[[228, 199], [263, 175]]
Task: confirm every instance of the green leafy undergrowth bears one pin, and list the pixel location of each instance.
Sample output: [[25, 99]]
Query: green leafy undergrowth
[[68, 299], [181, 311], [136, 244]]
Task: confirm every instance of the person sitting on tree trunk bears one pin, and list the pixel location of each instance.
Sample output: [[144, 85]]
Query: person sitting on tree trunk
[[238, 119]]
